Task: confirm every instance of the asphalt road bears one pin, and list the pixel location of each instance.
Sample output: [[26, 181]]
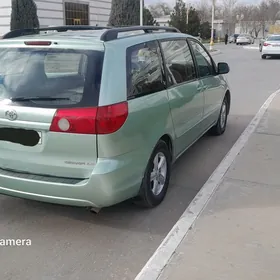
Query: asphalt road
[[71, 243]]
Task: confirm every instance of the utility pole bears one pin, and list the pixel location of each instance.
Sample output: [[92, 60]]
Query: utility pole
[[188, 10], [212, 25], [141, 12]]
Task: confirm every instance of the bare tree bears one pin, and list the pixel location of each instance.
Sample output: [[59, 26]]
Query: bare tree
[[228, 8], [273, 10], [160, 9], [256, 23], [263, 15], [248, 12], [203, 8]]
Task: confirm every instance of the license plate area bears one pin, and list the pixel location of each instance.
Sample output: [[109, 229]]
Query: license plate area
[[25, 137]]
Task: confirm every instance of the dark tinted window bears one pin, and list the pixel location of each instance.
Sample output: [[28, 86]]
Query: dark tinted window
[[204, 61], [145, 70], [179, 61], [73, 77]]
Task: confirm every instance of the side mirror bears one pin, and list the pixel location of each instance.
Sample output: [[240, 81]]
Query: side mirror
[[223, 68]]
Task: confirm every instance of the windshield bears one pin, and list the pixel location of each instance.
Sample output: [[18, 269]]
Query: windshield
[[50, 78], [273, 38]]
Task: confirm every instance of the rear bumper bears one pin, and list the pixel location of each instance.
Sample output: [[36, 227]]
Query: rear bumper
[[242, 42], [111, 182], [269, 51]]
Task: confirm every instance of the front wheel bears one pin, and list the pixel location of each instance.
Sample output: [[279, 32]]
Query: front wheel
[[263, 56], [220, 126], [156, 179]]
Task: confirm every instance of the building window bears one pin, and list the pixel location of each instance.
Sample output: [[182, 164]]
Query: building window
[[76, 13]]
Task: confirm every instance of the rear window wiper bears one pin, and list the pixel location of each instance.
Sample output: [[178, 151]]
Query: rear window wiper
[[40, 98]]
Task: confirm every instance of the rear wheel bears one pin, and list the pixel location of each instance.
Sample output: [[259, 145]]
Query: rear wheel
[[263, 56], [221, 124], [156, 179]]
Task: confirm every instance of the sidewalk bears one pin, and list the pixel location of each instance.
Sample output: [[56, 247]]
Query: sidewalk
[[237, 236]]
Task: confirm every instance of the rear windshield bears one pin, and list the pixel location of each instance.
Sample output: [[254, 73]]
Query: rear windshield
[[50, 78], [274, 38]]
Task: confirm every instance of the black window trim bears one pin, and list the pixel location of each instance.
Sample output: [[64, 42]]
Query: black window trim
[[214, 66], [170, 86], [128, 69]]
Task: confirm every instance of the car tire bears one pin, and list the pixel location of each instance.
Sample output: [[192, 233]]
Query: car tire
[[220, 126], [153, 191], [263, 56]]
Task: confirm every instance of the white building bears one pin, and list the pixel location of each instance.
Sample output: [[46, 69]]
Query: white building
[[163, 21], [62, 12]]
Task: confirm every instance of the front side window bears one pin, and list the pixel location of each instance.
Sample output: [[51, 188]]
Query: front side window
[[179, 61], [204, 61], [144, 70]]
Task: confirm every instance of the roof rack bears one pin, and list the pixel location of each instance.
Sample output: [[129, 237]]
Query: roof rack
[[33, 31], [112, 33]]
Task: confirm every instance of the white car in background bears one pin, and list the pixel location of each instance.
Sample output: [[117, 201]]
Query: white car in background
[[231, 39], [271, 46], [245, 39]]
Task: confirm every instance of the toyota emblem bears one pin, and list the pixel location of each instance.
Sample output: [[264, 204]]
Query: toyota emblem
[[11, 115]]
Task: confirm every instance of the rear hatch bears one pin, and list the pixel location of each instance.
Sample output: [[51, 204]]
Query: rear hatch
[[48, 99]]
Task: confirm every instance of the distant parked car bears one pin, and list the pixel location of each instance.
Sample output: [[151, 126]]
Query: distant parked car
[[245, 39], [271, 47], [232, 38]]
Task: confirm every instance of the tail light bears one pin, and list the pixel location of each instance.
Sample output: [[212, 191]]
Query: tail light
[[96, 120], [37, 43], [266, 44]]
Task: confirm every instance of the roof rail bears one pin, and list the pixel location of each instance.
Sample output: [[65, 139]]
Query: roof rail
[[112, 33], [63, 28]]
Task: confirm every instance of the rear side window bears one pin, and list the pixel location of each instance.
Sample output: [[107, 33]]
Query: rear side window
[[144, 70], [179, 62], [50, 78]]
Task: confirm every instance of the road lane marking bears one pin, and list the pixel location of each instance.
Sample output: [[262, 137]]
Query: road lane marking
[[159, 260]]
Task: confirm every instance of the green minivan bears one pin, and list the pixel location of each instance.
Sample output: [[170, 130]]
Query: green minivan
[[93, 116]]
